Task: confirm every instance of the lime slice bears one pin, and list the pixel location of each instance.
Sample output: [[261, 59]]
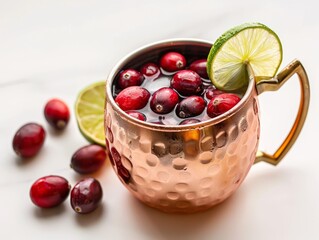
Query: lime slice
[[250, 43], [89, 112]]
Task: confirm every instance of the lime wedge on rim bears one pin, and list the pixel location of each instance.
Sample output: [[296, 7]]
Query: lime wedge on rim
[[250, 43], [89, 112]]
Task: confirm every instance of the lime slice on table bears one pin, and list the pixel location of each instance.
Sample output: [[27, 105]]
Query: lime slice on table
[[250, 43], [89, 112]]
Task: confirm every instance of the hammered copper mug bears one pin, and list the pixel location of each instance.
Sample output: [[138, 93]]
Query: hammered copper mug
[[192, 167]]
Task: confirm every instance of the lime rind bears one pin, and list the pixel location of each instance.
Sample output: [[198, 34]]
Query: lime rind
[[89, 111], [250, 43]]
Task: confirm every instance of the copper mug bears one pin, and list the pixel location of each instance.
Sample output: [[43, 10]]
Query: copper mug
[[193, 167]]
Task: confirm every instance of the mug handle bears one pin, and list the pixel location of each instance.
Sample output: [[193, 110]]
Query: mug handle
[[274, 84]]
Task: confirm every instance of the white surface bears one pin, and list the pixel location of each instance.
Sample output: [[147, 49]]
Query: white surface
[[55, 48]]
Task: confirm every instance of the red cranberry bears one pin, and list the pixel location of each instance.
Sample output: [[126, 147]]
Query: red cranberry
[[28, 140], [190, 107], [57, 113], [130, 77], [221, 104], [137, 115], [173, 61], [132, 98], [150, 70], [199, 66], [189, 121], [86, 195], [49, 191], [164, 100], [187, 82], [212, 92], [88, 159]]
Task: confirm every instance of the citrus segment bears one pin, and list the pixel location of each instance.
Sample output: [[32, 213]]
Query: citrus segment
[[251, 43], [89, 112]]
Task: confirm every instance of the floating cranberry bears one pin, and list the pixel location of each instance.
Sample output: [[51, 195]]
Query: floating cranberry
[[132, 98], [190, 107], [173, 61], [150, 70], [199, 66], [28, 140], [212, 92], [88, 159], [130, 77], [57, 113], [164, 100], [86, 195], [221, 104], [49, 191], [187, 82], [137, 115], [189, 121]]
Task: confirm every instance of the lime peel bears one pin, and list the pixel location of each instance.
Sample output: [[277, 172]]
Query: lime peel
[[89, 112], [250, 43]]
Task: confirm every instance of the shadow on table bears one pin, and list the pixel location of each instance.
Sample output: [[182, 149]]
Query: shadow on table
[[166, 226], [83, 220], [169, 226], [50, 212], [87, 220]]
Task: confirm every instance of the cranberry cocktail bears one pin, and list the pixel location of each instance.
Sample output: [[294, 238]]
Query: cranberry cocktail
[[172, 136], [173, 88]]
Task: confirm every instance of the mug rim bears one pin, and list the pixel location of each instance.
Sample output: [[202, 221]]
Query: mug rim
[[169, 128]]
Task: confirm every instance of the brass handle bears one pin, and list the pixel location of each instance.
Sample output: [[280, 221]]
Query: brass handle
[[273, 85]]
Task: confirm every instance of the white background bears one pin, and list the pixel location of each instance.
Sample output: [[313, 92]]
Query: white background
[[56, 48]]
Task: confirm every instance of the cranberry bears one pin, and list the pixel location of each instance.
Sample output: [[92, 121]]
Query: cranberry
[[88, 159], [130, 77], [132, 98], [187, 82], [150, 70], [164, 100], [199, 66], [57, 113], [49, 191], [28, 140], [86, 195], [189, 121], [212, 92], [190, 107], [173, 61], [137, 115], [221, 104]]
